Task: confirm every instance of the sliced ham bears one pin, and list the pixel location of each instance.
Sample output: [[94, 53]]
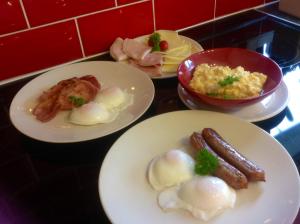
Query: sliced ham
[[138, 54], [153, 71], [116, 50], [135, 49], [151, 59]]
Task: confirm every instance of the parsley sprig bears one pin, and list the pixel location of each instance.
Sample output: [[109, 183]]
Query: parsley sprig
[[77, 101], [206, 162], [155, 40], [228, 80]]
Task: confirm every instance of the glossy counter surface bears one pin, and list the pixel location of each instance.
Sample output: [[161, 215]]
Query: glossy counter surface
[[58, 183]]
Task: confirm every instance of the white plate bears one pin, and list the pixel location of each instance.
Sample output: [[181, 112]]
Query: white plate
[[127, 197], [267, 108], [196, 47], [59, 129]]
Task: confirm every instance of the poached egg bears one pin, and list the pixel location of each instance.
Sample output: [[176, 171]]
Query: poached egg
[[114, 98], [105, 108], [170, 168], [203, 196]]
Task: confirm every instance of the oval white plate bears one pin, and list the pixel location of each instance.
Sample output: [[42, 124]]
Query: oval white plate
[[267, 108], [196, 47], [127, 197], [59, 129]]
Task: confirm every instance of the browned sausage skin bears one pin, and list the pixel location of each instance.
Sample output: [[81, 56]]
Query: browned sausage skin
[[232, 176], [232, 156]]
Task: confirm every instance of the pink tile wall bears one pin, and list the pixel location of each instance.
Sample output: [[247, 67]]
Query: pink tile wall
[[36, 35]]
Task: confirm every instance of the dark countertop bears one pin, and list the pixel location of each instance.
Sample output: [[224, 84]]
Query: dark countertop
[[58, 183]]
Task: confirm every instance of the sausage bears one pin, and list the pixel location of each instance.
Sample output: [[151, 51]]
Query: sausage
[[232, 156], [232, 176]]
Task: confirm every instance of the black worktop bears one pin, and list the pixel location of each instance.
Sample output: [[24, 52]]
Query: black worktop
[[58, 183]]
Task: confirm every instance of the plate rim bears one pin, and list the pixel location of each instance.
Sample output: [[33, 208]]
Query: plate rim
[[284, 104], [108, 154], [97, 63]]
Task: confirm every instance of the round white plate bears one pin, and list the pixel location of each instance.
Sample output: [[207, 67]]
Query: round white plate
[[196, 47], [267, 108], [127, 197], [59, 129]]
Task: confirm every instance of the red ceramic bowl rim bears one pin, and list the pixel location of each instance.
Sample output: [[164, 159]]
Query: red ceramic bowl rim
[[263, 95]]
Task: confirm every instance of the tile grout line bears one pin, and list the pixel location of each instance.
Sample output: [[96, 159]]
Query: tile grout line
[[215, 9], [100, 11], [24, 13], [219, 18], [79, 37], [71, 18], [43, 70], [37, 27], [153, 13], [116, 3]]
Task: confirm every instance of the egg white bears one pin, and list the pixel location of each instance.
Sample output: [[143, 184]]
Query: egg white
[[203, 196], [105, 108], [114, 98], [170, 168], [92, 113]]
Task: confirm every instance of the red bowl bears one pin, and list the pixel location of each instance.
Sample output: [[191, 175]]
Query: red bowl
[[232, 57]]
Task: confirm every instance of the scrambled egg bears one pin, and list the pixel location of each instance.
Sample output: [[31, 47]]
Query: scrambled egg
[[224, 82]]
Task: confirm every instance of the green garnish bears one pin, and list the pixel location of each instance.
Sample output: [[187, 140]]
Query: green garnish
[[155, 40], [212, 94], [228, 80], [77, 101], [228, 97], [206, 162], [156, 48]]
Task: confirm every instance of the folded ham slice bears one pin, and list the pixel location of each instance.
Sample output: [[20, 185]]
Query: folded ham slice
[[152, 71], [135, 49], [116, 50], [151, 59], [137, 54]]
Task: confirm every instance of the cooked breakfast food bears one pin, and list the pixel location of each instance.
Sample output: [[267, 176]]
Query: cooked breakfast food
[[170, 168], [88, 105], [203, 196], [232, 176], [252, 171], [66, 95], [224, 82], [203, 185], [173, 175], [161, 52], [105, 107]]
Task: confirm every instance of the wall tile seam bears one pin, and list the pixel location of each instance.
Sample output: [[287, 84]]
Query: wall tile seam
[[80, 39], [153, 15], [24, 14], [69, 19], [220, 17], [40, 71]]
